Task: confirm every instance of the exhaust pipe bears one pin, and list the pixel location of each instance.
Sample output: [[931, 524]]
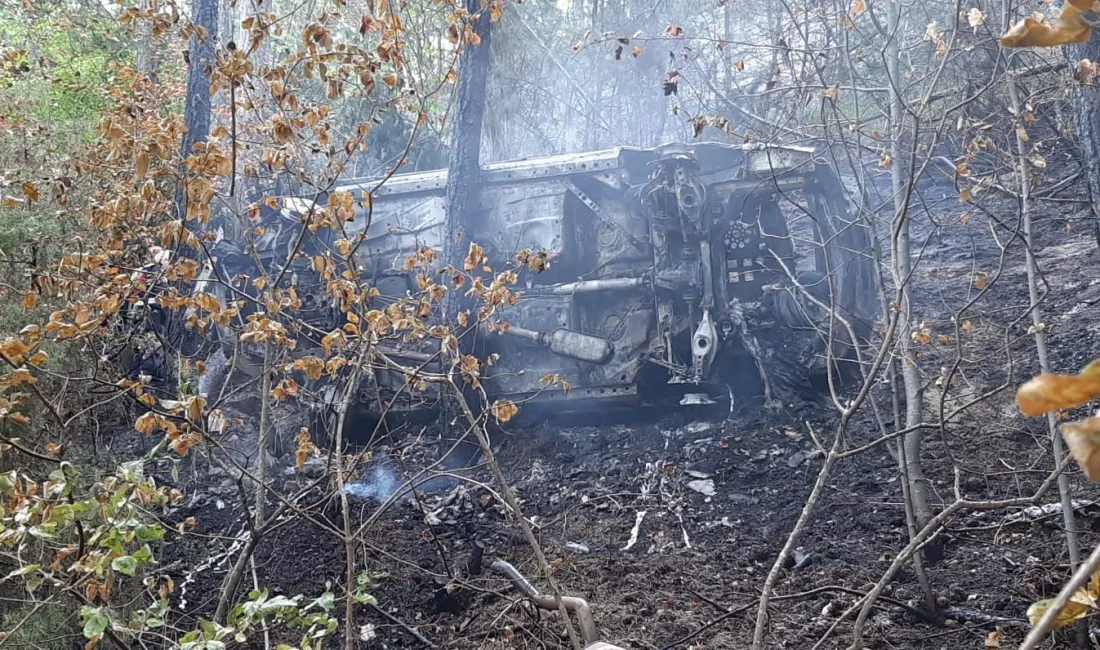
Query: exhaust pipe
[[578, 606], [570, 344]]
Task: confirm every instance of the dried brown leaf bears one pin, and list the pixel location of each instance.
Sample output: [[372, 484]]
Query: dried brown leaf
[[976, 18], [1074, 611], [474, 258], [504, 410], [1050, 392], [1094, 586], [1083, 440], [1069, 27], [1086, 71]]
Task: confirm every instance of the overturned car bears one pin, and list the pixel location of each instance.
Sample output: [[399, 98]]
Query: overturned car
[[692, 273]]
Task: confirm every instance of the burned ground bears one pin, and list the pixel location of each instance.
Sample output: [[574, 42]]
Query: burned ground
[[720, 495]]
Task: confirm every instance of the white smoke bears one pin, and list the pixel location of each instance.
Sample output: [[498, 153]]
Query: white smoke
[[378, 484], [211, 380]]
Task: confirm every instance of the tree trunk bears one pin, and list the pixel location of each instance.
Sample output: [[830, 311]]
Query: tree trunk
[[464, 166], [227, 24], [200, 55], [146, 54], [1087, 124], [918, 513], [196, 116], [903, 267], [1033, 280]]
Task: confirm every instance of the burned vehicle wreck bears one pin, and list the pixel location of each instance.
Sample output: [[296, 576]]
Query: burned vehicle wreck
[[689, 274]]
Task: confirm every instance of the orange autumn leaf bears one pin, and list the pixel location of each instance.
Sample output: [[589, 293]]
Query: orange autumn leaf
[[1083, 5], [504, 410], [1083, 440], [334, 339], [146, 423], [180, 446], [475, 258], [305, 448], [1069, 27], [311, 365], [195, 406], [13, 350], [1047, 393]]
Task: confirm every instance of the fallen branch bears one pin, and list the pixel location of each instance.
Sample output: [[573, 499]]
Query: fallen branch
[[405, 626]]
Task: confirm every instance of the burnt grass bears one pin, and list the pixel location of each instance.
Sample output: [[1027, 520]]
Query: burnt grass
[[696, 556]]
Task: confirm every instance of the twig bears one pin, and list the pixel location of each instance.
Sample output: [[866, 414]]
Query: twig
[[345, 510], [926, 534], [513, 504], [805, 594], [792, 539], [405, 626], [1046, 623]]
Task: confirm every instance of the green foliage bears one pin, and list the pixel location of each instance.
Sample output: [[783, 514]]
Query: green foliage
[[49, 627], [83, 70], [19, 228], [66, 71], [261, 608], [110, 521], [96, 535], [364, 583]]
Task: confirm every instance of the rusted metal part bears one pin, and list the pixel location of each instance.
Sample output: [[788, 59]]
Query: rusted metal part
[[572, 604]]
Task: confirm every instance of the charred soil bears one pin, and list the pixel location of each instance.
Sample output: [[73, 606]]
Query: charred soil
[[666, 525]]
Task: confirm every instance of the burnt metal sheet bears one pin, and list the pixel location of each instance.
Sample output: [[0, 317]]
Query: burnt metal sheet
[[757, 158]]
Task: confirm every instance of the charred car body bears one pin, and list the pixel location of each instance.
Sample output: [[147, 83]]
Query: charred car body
[[697, 272]]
